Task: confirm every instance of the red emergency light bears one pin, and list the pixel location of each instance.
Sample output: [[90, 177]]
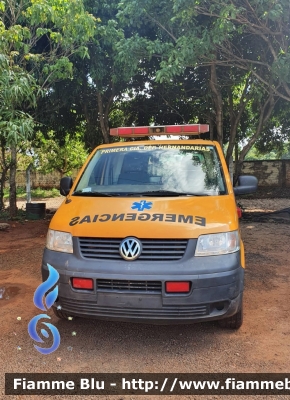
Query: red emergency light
[[140, 131], [82, 283], [177, 287]]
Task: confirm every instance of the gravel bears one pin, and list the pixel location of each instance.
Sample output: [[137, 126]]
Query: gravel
[[261, 345]]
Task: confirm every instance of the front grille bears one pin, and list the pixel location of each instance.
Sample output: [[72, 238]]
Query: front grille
[[129, 286], [92, 309], [152, 249]]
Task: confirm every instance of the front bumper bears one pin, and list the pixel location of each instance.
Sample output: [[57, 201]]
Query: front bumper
[[217, 284]]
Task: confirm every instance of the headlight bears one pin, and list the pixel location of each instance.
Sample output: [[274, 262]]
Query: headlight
[[59, 241], [217, 243]]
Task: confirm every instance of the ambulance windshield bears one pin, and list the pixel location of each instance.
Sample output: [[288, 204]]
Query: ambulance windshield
[[153, 169]]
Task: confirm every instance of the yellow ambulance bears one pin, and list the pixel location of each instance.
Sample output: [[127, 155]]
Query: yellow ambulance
[[149, 232]]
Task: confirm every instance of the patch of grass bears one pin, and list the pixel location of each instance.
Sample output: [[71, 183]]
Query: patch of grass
[[35, 193], [44, 193], [19, 191]]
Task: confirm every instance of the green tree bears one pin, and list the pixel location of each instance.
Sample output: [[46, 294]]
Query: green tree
[[50, 156], [276, 135], [38, 38], [17, 87], [243, 45], [99, 82]]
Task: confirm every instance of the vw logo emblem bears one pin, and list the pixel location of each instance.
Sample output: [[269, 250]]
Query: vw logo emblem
[[130, 248]]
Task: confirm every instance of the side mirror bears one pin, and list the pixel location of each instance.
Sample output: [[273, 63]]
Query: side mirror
[[65, 185], [246, 184]]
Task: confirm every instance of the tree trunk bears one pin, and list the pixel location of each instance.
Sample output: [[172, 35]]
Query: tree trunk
[[235, 118], [5, 169], [12, 181], [266, 111], [218, 102], [211, 125], [236, 173], [104, 124], [2, 186]]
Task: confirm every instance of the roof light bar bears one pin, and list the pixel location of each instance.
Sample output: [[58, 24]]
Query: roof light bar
[[140, 131]]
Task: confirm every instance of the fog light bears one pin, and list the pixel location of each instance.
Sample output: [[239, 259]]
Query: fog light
[[219, 306], [177, 287], [82, 283]]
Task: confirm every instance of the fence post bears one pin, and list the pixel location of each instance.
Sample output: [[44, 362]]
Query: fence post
[[28, 184]]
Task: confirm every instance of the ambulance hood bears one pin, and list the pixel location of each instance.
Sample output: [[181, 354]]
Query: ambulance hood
[[146, 217]]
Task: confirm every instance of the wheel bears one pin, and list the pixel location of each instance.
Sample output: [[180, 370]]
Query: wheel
[[233, 322], [60, 314]]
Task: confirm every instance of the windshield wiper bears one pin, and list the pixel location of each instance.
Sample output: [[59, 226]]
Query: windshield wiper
[[157, 193], [165, 193], [92, 194]]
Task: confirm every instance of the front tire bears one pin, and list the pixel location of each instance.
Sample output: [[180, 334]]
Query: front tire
[[233, 322], [60, 314]]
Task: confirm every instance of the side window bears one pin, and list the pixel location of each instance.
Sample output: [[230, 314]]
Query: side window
[[107, 170], [97, 176]]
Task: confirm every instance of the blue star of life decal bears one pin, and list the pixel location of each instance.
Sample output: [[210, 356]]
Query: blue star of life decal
[[142, 205]]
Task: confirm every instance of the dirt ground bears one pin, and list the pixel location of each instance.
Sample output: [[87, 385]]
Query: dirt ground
[[261, 345]]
